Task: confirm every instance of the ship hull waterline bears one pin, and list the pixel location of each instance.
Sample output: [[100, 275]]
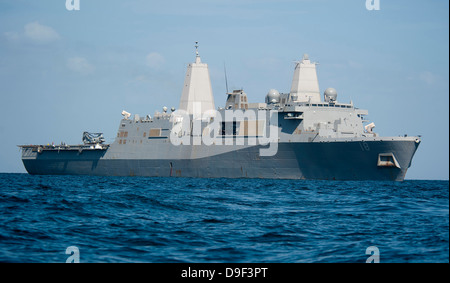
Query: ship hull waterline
[[308, 160]]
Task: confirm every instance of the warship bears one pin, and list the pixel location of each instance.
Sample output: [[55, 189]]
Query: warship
[[294, 135]]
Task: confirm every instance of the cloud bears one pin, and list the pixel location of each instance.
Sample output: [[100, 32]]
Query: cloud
[[428, 77], [154, 60], [80, 65], [39, 33], [12, 35], [33, 32]]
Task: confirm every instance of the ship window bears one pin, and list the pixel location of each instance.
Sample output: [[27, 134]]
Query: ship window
[[155, 133], [222, 129], [145, 134], [229, 128], [125, 134], [120, 141], [124, 141], [313, 104]]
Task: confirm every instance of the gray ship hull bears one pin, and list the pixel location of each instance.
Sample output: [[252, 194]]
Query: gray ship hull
[[343, 160]]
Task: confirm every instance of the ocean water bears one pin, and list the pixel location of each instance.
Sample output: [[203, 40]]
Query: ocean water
[[133, 219]]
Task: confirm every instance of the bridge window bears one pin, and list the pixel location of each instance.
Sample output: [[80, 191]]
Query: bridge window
[[155, 133], [228, 128]]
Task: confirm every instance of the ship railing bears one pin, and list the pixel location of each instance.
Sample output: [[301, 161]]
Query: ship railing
[[40, 148]]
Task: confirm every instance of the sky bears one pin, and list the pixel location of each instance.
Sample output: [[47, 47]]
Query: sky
[[65, 72]]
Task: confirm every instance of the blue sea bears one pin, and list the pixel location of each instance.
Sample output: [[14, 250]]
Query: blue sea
[[134, 219]]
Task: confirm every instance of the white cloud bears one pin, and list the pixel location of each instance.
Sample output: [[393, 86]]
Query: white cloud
[[80, 65], [428, 77], [33, 32], [154, 60], [39, 33], [12, 35]]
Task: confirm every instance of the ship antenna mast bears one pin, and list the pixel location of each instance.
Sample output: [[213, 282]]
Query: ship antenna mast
[[226, 80], [196, 48]]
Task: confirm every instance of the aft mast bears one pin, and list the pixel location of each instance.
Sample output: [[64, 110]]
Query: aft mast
[[305, 86]]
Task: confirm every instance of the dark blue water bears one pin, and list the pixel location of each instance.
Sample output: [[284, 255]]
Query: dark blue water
[[115, 219]]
